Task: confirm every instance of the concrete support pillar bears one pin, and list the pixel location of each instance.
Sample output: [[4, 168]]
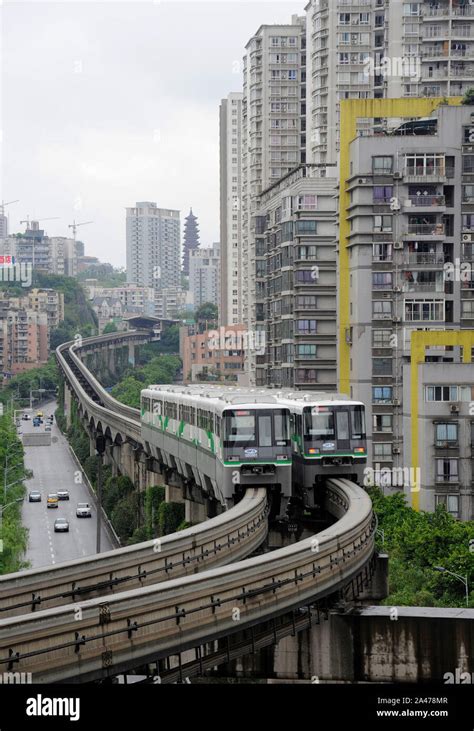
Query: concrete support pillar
[[174, 494], [195, 512], [111, 360], [67, 405], [131, 354]]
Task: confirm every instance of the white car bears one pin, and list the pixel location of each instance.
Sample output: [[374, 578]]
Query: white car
[[83, 510]]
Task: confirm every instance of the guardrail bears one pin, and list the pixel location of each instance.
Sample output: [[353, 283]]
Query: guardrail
[[228, 537], [106, 636]]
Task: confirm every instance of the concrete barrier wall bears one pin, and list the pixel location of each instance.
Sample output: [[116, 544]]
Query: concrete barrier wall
[[37, 439]]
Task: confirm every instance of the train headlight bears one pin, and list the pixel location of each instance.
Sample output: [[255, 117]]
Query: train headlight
[[233, 458], [312, 450], [359, 450], [282, 456]]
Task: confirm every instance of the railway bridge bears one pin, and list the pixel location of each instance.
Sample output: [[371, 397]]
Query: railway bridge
[[182, 603]]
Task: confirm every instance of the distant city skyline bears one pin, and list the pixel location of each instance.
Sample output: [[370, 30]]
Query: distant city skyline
[[108, 128]]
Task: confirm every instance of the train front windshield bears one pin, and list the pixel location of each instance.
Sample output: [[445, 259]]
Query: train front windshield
[[334, 423], [256, 428]]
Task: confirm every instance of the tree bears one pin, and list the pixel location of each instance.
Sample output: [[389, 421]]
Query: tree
[[111, 327], [207, 311], [468, 98]]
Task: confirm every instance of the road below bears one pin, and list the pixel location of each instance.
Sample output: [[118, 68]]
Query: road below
[[53, 469]]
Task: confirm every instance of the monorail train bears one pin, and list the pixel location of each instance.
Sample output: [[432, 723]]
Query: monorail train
[[328, 439], [221, 438]]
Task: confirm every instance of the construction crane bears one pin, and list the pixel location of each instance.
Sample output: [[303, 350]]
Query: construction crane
[[3, 204], [75, 226], [37, 220]]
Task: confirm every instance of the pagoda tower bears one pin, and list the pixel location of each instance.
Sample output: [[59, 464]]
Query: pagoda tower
[[191, 239]]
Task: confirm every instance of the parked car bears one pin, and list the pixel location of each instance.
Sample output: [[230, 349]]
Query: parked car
[[83, 510], [34, 496], [40, 414], [61, 525], [63, 495], [52, 501], [26, 417], [47, 428]]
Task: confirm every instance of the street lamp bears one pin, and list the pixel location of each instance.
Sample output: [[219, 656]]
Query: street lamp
[[464, 580], [13, 502]]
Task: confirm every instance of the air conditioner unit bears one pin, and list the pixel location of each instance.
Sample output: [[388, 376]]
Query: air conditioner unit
[[396, 319], [396, 402], [363, 181], [397, 176], [454, 408], [398, 244], [396, 450], [407, 203], [397, 289], [466, 238]]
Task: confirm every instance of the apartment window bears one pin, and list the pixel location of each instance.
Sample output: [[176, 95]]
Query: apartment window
[[450, 502], [382, 394], [468, 222], [382, 280], [383, 423], [382, 309], [383, 193], [305, 202], [344, 18], [382, 252], [382, 366], [411, 9], [467, 309], [468, 193], [305, 227], [382, 165], [292, 75], [306, 327], [306, 375], [447, 434], [305, 276], [425, 164], [468, 164], [382, 450], [306, 252], [306, 351], [424, 310], [447, 470], [441, 393], [382, 338], [383, 224], [306, 301]]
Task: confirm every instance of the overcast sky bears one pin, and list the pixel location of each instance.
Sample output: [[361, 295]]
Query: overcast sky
[[105, 104]]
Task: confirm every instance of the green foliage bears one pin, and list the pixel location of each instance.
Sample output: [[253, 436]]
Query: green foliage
[[207, 311], [19, 386], [12, 533], [171, 515], [124, 517], [106, 275], [468, 98], [161, 369], [417, 542], [111, 327], [154, 497]]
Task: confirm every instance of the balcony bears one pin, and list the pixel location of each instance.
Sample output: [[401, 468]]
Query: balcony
[[425, 231], [432, 259], [425, 201], [420, 176], [423, 287]]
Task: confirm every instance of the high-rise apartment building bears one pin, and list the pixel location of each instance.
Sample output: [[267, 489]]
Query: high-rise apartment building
[[410, 334], [204, 266], [153, 246], [295, 260], [230, 141], [382, 49], [273, 133]]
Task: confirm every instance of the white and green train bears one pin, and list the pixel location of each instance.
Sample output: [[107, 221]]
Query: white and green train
[[226, 438], [223, 439]]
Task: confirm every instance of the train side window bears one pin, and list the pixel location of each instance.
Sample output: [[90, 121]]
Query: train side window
[[342, 419], [265, 431], [218, 425]]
